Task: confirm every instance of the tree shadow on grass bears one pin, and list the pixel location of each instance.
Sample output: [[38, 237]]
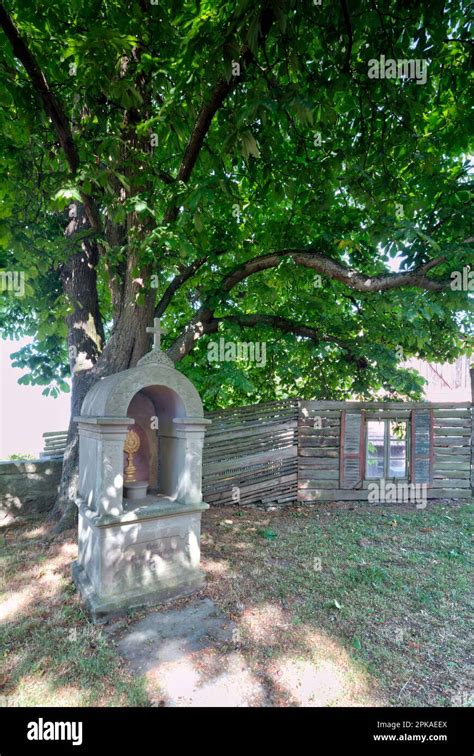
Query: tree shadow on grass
[[53, 655], [350, 607]]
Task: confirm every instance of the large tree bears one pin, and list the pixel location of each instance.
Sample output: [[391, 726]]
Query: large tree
[[237, 169]]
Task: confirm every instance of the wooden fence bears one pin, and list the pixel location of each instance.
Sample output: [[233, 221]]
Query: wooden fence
[[250, 454], [277, 452], [450, 465], [54, 444]]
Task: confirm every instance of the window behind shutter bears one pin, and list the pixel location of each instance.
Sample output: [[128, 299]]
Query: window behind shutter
[[351, 469], [421, 445]]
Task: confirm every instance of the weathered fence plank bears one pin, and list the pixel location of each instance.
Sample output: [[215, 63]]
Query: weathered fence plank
[[250, 454]]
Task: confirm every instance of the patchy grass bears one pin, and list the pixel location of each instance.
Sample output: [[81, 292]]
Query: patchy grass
[[334, 605], [50, 654], [378, 596]]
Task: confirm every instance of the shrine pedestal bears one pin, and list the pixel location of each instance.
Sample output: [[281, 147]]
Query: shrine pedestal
[[135, 490], [147, 555]]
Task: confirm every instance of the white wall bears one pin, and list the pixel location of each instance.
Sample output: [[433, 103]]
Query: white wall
[[447, 382], [24, 413]]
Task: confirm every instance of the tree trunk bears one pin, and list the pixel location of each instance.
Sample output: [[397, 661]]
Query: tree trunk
[[64, 508], [88, 358], [85, 342]]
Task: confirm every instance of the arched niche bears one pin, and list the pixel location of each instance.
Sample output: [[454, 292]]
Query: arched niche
[[153, 390], [154, 410]]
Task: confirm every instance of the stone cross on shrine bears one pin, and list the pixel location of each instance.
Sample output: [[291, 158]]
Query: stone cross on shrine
[[157, 331]]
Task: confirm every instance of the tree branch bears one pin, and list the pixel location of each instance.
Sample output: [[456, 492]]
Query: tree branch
[[185, 274], [51, 106], [176, 283], [208, 110], [205, 322], [291, 326], [347, 20], [38, 79], [310, 258], [283, 324]]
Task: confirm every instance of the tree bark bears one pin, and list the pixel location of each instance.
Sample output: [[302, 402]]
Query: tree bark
[[89, 360], [85, 343], [64, 509]]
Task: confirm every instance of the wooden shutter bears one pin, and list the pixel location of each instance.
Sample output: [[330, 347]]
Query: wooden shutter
[[351, 466], [421, 446]]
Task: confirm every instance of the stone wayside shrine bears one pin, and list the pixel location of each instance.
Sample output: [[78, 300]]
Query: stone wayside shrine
[[141, 435]]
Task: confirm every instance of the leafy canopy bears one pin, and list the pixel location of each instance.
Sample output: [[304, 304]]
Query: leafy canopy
[[306, 150]]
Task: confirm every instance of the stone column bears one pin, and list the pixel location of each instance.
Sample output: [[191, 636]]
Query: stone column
[[190, 431], [101, 443]]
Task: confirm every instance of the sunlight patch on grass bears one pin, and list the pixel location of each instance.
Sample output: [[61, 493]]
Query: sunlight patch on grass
[[35, 690], [15, 604], [215, 568], [36, 532], [52, 654], [309, 685], [262, 623], [390, 586]]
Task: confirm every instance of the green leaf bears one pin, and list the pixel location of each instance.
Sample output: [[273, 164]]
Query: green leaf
[[268, 534], [253, 33]]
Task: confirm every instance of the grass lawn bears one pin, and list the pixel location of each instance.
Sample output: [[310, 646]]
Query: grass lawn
[[334, 606]]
